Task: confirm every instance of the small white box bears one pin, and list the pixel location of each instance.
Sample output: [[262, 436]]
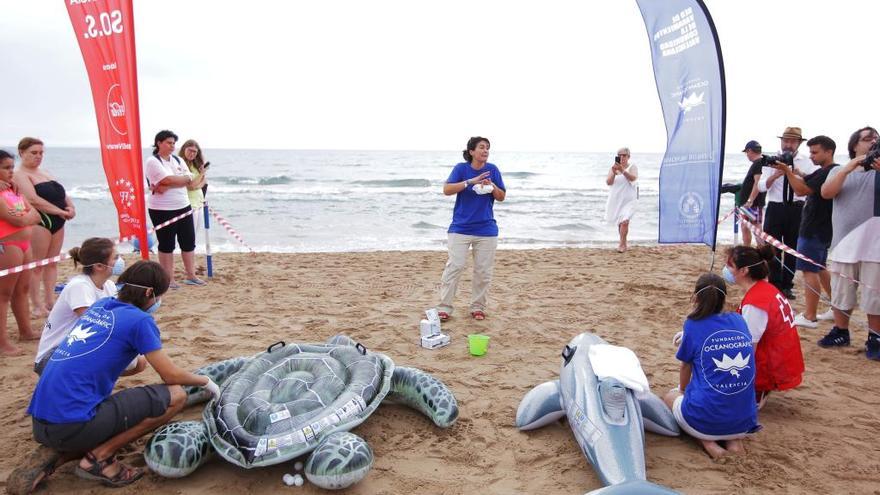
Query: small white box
[[426, 328], [435, 341], [433, 315]]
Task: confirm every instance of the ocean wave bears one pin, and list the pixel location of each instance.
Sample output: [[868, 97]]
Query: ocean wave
[[426, 225], [258, 181], [394, 183], [520, 175], [577, 226]]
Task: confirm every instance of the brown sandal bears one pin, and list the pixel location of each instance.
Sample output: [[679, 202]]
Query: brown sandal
[[126, 475]]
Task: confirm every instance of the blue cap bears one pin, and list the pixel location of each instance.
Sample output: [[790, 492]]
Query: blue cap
[[753, 145]]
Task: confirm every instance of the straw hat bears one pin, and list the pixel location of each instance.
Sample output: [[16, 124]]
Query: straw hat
[[792, 133]]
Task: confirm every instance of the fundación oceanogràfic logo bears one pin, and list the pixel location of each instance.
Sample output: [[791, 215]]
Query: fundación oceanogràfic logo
[[92, 331], [116, 110], [690, 205], [691, 101], [727, 360]]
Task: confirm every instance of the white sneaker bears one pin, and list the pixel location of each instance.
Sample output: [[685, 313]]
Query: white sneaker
[[801, 321], [826, 316]]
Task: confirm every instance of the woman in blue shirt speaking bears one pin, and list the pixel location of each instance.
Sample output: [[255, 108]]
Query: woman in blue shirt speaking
[[477, 184]]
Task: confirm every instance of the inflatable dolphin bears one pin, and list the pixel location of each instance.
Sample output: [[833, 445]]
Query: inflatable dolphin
[[607, 420]]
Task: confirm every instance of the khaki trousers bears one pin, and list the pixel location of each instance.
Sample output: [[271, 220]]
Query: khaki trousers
[[484, 263]]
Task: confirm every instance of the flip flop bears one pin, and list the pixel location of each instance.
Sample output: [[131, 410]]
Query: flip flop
[[478, 315], [173, 285], [195, 281], [443, 315]]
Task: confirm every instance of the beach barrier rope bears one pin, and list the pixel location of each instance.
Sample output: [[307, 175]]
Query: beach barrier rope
[[731, 212], [222, 221], [64, 256], [747, 219]]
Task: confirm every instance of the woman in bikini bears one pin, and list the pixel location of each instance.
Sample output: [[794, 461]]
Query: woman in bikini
[[16, 218], [55, 208]]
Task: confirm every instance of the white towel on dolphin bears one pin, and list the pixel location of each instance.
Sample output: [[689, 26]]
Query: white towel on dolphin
[[611, 361]]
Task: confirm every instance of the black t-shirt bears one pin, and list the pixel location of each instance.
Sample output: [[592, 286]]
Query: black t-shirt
[[816, 216], [749, 182]]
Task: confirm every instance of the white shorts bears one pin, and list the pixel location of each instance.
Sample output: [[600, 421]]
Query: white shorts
[[844, 291], [679, 418]]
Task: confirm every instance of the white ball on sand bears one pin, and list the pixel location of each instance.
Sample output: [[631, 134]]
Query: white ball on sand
[[298, 480], [289, 480], [298, 466]]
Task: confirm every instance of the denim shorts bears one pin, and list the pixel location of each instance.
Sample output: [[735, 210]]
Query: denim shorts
[[812, 248]]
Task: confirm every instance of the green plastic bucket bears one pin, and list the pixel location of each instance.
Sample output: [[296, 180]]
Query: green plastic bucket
[[478, 344]]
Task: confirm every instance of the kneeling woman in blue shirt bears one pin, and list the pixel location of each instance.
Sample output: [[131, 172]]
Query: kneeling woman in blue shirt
[[715, 399], [476, 184], [73, 411]]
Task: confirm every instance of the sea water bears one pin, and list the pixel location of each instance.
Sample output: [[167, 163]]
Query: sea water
[[324, 201]]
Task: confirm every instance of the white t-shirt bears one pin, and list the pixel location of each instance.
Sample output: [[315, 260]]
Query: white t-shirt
[[756, 319], [80, 292], [173, 198]]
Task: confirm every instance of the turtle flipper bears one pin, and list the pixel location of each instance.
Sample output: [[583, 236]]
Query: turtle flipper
[[424, 393], [177, 449], [340, 460], [218, 372]]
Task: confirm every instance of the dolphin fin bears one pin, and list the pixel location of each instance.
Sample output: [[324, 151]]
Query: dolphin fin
[[540, 407], [637, 487], [657, 417]]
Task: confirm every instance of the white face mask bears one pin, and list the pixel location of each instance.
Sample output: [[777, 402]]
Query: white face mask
[[727, 275], [118, 267]]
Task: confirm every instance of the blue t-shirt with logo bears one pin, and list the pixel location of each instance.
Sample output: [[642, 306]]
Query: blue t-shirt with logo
[[472, 214], [720, 398], [84, 368]]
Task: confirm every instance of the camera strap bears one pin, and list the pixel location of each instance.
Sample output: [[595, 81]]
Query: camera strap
[[787, 192]]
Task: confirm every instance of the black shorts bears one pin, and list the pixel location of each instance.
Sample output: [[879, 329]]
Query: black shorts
[[184, 230], [118, 413]]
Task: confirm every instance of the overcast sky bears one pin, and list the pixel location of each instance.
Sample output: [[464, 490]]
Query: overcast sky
[[554, 75]]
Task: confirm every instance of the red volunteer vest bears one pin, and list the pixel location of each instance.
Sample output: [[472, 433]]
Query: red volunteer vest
[[778, 360]]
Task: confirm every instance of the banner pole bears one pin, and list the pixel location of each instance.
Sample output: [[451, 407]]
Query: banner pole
[[208, 240]]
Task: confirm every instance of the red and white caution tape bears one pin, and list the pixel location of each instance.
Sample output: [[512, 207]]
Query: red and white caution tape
[[731, 212], [222, 221], [746, 218], [64, 256]]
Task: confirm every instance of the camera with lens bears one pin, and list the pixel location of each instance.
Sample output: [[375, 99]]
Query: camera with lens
[[873, 154], [785, 157]]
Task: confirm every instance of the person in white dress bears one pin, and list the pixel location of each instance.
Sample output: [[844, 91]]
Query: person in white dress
[[622, 196]]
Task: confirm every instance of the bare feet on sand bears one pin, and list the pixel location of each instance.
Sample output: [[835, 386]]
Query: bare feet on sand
[[29, 335], [10, 350], [716, 451]]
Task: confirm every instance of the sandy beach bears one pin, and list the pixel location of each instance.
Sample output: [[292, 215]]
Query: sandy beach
[[819, 438]]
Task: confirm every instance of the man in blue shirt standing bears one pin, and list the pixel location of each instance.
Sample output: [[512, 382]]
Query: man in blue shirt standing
[[477, 184]]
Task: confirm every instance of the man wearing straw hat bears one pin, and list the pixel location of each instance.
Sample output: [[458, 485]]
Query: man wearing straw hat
[[783, 215]]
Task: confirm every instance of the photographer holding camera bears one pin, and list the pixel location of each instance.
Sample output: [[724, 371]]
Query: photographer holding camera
[[782, 219], [855, 245], [815, 230]]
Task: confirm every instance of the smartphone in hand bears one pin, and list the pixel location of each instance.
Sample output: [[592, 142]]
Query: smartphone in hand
[[617, 159]]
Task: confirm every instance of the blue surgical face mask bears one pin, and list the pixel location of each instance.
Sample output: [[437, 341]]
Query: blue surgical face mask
[[727, 275], [118, 267], [155, 307]]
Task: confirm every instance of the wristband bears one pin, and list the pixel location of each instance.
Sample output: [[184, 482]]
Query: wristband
[[467, 182]]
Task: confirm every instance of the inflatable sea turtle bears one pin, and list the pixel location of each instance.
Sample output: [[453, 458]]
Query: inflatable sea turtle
[[294, 399]]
